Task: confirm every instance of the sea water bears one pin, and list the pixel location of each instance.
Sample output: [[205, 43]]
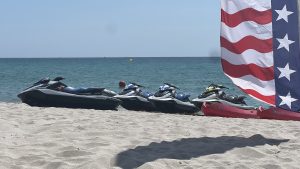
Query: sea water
[[190, 74]]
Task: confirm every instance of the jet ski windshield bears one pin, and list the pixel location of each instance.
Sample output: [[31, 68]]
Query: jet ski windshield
[[215, 87], [42, 81], [131, 86], [166, 87], [59, 78], [135, 84], [212, 89], [171, 85]]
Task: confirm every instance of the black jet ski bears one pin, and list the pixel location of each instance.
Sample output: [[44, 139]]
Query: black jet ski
[[168, 100], [133, 98], [215, 93], [54, 93]]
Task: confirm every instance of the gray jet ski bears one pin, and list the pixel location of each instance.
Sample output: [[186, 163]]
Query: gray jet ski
[[169, 101], [215, 93], [46, 93], [133, 98]]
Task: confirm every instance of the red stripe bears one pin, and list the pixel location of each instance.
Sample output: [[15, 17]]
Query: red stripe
[[255, 94], [249, 14], [248, 42], [236, 71]]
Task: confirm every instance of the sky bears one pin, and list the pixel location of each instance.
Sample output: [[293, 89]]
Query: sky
[[109, 28]]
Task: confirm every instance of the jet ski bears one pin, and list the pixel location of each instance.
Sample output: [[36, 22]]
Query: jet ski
[[214, 102], [214, 93], [54, 93], [276, 113], [227, 109], [133, 98], [168, 100]]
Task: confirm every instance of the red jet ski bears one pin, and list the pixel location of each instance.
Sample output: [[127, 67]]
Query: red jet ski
[[278, 114], [234, 111], [222, 108]]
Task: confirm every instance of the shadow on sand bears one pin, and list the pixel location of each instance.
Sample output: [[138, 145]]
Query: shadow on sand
[[188, 148]]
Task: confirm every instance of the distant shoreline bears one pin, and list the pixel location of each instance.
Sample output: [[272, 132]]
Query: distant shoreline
[[107, 57]]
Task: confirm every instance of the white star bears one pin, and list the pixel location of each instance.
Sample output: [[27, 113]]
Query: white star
[[285, 43], [283, 14], [287, 100], [286, 72]]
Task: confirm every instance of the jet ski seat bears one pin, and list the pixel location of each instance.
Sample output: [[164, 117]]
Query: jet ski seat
[[182, 96], [233, 98], [145, 94], [82, 90]]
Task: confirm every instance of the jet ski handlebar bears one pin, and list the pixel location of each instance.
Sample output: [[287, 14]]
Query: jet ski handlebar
[[171, 85], [217, 86], [135, 84], [59, 78]]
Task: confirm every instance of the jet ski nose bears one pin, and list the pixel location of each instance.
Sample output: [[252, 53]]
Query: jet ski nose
[[19, 95]]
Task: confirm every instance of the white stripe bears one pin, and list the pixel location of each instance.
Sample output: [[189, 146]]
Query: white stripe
[[244, 29], [266, 88], [248, 57], [233, 6]]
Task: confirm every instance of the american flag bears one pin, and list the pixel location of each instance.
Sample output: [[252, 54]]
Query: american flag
[[260, 49]]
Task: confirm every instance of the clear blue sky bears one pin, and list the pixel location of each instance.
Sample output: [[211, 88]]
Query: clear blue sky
[[109, 28]]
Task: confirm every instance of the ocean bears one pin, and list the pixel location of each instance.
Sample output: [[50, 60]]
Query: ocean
[[190, 74]]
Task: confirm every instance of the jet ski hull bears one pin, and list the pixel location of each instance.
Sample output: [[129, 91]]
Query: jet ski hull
[[52, 98], [197, 102], [169, 105], [226, 110], [135, 103], [278, 114]]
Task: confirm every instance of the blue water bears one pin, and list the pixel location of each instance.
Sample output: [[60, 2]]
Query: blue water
[[191, 75]]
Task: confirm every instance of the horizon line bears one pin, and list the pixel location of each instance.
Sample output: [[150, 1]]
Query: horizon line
[[108, 57]]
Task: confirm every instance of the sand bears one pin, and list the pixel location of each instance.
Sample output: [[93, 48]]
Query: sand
[[51, 138]]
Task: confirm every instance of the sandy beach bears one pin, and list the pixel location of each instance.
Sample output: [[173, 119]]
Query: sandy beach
[[58, 138]]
